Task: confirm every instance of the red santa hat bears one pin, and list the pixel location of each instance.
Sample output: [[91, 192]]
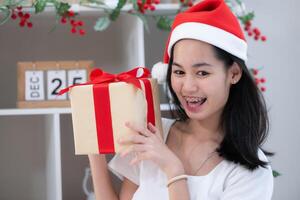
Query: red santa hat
[[210, 21]]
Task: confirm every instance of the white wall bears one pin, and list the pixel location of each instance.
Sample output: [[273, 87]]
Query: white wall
[[279, 56]]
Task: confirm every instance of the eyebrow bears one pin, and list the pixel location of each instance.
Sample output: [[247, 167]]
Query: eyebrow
[[194, 65]]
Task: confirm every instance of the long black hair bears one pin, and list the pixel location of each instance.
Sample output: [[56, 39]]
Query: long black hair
[[244, 119]]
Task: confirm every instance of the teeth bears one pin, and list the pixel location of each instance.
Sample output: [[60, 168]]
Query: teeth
[[194, 99]]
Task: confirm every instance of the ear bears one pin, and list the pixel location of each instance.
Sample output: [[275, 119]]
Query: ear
[[235, 73]]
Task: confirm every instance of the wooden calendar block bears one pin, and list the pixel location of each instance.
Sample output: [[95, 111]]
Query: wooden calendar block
[[39, 82]]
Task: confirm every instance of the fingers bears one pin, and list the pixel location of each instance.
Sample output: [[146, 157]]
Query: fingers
[[152, 128], [150, 131], [140, 156], [143, 144], [155, 131], [136, 139], [139, 129], [138, 148]]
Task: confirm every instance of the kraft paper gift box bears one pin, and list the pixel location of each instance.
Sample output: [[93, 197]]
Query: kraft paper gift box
[[101, 107]]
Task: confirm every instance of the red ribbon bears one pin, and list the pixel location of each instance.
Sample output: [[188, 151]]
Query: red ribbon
[[150, 104], [100, 81], [98, 76]]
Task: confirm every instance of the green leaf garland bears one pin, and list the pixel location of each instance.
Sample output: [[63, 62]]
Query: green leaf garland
[[102, 23]]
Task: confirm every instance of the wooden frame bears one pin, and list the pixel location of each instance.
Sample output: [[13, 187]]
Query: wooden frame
[[45, 66]]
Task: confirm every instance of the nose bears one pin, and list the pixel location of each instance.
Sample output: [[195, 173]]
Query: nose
[[189, 85]]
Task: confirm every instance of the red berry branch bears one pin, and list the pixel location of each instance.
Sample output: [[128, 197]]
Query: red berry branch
[[255, 32], [188, 3], [24, 17], [76, 25], [147, 5], [259, 81], [140, 7]]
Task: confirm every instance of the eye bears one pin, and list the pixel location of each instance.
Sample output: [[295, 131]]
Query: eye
[[178, 72], [202, 73]]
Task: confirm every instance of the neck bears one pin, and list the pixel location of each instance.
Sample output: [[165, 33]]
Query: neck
[[205, 130]]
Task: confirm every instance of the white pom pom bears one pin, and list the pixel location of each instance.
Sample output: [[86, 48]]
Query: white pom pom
[[159, 71]]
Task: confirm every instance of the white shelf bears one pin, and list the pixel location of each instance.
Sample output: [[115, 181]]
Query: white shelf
[[165, 9], [46, 111], [161, 9], [34, 111]]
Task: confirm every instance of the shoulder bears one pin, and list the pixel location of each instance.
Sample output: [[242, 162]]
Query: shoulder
[[258, 183], [240, 172]]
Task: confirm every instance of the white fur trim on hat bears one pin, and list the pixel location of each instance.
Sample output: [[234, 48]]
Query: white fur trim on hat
[[212, 35], [159, 71]]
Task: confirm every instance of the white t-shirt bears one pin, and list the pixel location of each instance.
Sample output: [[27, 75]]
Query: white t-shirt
[[227, 181]]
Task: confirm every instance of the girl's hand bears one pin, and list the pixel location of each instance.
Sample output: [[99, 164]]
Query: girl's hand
[[149, 145]]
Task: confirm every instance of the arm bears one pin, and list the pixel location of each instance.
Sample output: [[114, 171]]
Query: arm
[[178, 190], [102, 181], [149, 145], [127, 190]]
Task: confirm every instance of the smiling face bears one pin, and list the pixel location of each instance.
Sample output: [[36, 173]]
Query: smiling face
[[200, 80]]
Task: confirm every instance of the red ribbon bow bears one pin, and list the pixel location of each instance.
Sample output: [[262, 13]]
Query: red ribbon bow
[[97, 76]]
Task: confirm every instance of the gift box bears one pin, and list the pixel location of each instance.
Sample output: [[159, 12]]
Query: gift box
[[101, 107]]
